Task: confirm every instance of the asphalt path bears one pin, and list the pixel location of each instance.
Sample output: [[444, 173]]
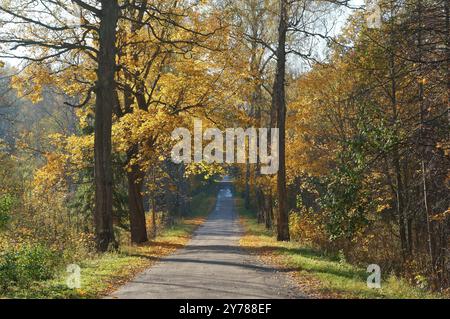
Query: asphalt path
[[212, 265]]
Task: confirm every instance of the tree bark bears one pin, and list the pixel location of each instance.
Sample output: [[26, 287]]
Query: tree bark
[[268, 211], [105, 101], [423, 151], [399, 187], [260, 205], [247, 184], [135, 178], [136, 210], [279, 104], [447, 54], [446, 231]]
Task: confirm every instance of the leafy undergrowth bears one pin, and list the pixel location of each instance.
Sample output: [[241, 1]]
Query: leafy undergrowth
[[106, 272], [319, 276]]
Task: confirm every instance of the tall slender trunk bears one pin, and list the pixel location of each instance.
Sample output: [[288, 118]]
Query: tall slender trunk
[[400, 204], [399, 191], [268, 211], [105, 101], [135, 179], [447, 53], [446, 232], [136, 210], [279, 103], [253, 112], [154, 226], [247, 183], [260, 205], [408, 216], [422, 141]]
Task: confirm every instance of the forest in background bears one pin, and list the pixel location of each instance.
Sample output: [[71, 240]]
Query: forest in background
[[86, 119]]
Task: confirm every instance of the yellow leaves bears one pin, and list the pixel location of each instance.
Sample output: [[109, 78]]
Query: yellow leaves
[[19, 85], [441, 217], [49, 176], [381, 208], [205, 169], [141, 127], [422, 81], [56, 138], [147, 133], [31, 82], [445, 146], [72, 154], [81, 150], [81, 292], [84, 114]]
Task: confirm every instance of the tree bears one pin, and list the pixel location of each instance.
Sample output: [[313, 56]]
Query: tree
[[299, 19], [155, 41], [253, 27], [57, 40], [367, 140], [106, 101], [279, 104]]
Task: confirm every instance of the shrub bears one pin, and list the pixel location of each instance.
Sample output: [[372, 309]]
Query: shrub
[[6, 204], [23, 265], [307, 227]]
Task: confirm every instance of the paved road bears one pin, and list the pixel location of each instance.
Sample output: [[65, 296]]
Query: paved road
[[212, 265]]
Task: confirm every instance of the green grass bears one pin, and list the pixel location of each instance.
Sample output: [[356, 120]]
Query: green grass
[[97, 275], [318, 274], [105, 272]]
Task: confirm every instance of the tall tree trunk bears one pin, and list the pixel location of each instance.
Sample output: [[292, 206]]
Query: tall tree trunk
[[400, 203], [399, 191], [279, 104], [446, 232], [154, 226], [408, 215], [254, 110], [136, 201], [268, 211], [247, 184], [423, 142], [105, 102], [135, 179], [260, 205], [447, 53]]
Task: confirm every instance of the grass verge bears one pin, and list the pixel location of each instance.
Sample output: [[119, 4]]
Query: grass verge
[[320, 276], [103, 274]]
